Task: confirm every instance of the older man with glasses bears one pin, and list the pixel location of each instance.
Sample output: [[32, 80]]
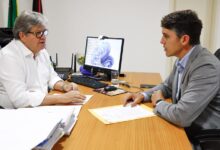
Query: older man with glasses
[[26, 71]]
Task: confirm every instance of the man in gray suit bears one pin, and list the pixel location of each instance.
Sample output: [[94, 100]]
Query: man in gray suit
[[194, 83]]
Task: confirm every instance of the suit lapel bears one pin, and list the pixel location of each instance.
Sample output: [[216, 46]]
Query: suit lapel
[[192, 57]]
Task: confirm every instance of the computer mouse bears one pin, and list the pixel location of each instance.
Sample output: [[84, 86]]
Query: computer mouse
[[110, 88]]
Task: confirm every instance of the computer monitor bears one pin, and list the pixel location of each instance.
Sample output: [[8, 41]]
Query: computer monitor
[[103, 54]]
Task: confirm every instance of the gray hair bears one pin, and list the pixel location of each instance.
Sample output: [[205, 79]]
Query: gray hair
[[26, 20]]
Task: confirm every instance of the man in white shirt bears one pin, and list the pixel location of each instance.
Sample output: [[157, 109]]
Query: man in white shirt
[[26, 70]]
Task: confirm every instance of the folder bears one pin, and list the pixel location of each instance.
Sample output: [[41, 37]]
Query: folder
[[24, 129], [68, 115], [36, 128]]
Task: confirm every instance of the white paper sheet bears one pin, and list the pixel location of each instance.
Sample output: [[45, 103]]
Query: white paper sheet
[[120, 113], [88, 97], [85, 101]]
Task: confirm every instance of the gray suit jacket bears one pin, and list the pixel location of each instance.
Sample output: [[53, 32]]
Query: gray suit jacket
[[199, 103]]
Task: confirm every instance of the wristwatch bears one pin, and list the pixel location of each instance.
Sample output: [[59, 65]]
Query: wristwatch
[[158, 101]]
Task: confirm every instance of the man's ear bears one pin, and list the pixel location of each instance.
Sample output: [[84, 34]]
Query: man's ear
[[185, 39], [21, 35]]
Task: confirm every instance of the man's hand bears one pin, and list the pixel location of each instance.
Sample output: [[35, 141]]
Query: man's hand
[[73, 97], [156, 96], [66, 98], [64, 86], [133, 98]]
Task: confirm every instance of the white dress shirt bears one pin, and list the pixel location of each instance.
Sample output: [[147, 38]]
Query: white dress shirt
[[24, 80]]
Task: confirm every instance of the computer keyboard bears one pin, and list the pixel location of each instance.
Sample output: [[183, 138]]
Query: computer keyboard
[[86, 81]]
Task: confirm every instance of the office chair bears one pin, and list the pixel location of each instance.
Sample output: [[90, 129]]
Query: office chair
[[208, 139], [6, 35], [217, 53]]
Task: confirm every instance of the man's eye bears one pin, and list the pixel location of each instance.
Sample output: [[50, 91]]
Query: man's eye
[[166, 36], [39, 33]]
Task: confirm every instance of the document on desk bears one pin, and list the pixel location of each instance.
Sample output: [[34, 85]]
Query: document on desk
[[24, 129], [88, 97], [40, 127], [119, 113], [68, 115]]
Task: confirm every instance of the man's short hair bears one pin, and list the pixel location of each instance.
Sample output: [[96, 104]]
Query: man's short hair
[[26, 20], [184, 22]]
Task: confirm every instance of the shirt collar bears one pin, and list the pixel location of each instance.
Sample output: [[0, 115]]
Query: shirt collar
[[181, 64], [26, 52]]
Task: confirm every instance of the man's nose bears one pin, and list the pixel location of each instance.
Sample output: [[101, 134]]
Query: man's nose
[[162, 40], [43, 37]]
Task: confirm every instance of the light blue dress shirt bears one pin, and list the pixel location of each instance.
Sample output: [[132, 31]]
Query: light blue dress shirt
[[181, 65]]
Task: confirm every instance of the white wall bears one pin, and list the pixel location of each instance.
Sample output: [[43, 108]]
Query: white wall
[[70, 21], [136, 21]]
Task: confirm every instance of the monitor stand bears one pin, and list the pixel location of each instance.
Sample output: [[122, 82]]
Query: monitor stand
[[100, 76]]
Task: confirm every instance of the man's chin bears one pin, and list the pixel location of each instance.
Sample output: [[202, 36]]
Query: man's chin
[[166, 54], [42, 47]]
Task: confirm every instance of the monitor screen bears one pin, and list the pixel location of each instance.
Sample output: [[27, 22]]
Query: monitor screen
[[103, 55]]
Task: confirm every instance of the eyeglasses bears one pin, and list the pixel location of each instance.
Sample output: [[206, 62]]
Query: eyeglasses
[[40, 34]]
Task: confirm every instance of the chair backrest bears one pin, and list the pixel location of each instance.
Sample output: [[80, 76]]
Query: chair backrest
[[207, 140], [6, 35], [217, 53]]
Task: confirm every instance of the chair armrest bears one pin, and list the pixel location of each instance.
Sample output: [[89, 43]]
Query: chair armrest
[[207, 139]]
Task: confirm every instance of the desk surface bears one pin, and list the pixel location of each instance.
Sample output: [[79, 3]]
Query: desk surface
[[143, 134]]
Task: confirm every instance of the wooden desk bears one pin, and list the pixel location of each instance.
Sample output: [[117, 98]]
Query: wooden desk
[[143, 134]]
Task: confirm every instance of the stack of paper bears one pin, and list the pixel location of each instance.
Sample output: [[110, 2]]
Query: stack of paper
[[36, 128], [25, 129], [49, 142], [68, 115]]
